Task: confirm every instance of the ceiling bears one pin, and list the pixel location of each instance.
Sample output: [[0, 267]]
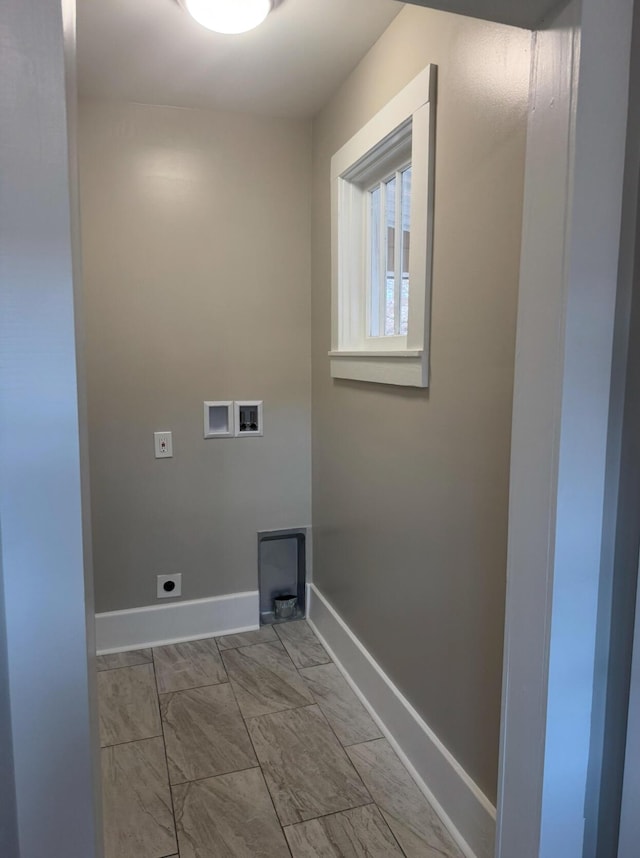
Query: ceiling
[[529, 14], [153, 52]]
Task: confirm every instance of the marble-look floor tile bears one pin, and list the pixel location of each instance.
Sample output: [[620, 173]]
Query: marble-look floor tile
[[188, 665], [306, 768], [302, 645], [138, 816], [124, 659], [265, 680], [351, 722], [409, 815], [204, 733], [265, 634], [358, 833], [230, 816], [128, 704]]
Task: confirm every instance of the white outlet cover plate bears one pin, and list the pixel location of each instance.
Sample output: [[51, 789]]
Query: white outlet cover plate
[[161, 593], [163, 445]]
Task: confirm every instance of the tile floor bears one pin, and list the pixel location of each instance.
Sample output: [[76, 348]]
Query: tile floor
[[251, 746]]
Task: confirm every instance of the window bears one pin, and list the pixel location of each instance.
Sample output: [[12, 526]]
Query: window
[[382, 191], [389, 240]]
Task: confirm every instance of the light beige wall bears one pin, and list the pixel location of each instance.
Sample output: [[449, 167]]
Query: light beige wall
[[196, 249], [410, 487]]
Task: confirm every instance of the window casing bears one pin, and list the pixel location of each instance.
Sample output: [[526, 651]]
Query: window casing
[[382, 223]]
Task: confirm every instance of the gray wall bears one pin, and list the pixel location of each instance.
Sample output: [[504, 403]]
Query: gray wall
[[410, 487], [47, 576], [196, 253]]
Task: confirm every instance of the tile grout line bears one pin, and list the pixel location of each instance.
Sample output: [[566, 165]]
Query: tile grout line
[[121, 667], [332, 813], [130, 741], [244, 721], [320, 704], [286, 709], [166, 758], [319, 664], [213, 777], [391, 831], [121, 727], [341, 745], [279, 711], [348, 810], [244, 646], [344, 748], [191, 688]]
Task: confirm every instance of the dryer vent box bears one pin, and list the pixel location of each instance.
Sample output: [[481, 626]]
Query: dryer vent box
[[282, 573]]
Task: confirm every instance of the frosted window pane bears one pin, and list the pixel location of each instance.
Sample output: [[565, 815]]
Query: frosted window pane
[[374, 292], [390, 292], [406, 245], [389, 248]]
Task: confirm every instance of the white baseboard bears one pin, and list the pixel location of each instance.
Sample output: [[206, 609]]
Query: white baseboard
[[157, 625], [464, 809]]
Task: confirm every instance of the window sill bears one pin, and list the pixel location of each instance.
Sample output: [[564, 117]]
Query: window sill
[[404, 367]]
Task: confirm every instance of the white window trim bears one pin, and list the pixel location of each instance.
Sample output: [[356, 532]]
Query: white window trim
[[355, 355]]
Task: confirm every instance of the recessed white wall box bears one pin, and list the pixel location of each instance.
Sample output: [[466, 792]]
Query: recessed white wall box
[[282, 570], [248, 419], [169, 586], [163, 444], [218, 419]]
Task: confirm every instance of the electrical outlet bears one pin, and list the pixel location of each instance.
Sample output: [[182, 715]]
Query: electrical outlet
[[169, 586], [163, 445]]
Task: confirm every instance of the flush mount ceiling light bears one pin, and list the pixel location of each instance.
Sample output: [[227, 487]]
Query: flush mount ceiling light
[[228, 16]]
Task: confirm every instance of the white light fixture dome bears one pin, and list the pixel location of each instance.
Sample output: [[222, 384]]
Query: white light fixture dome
[[229, 16]]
